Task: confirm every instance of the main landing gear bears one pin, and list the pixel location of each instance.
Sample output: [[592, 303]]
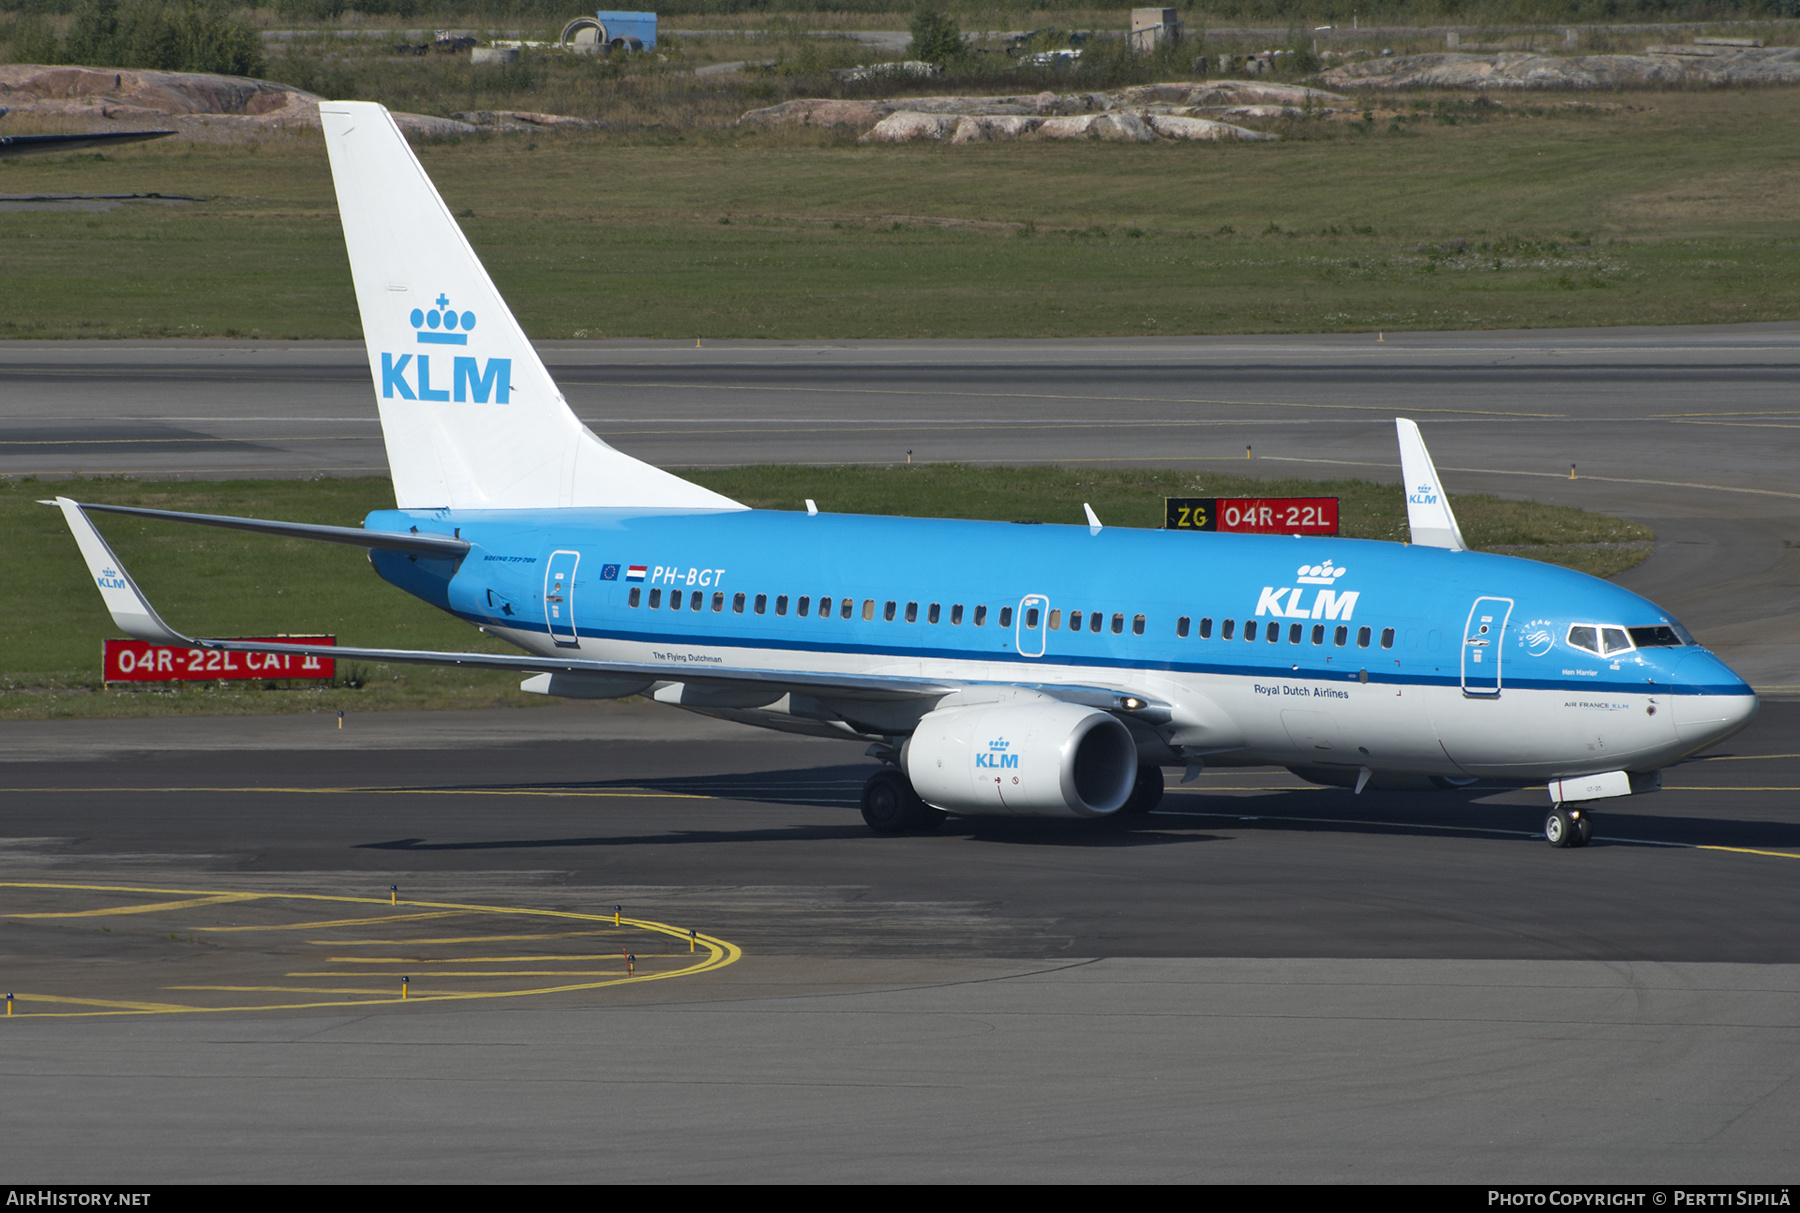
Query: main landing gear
[[1567, 827], [1146, 793], [890, 805]]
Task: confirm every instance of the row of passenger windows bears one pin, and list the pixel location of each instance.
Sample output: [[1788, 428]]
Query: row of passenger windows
[[1296, 632], [1093, 621], [843, 608]]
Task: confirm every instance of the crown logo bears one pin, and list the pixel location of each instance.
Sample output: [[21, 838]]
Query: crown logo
[[438, 326], [1320, 574]]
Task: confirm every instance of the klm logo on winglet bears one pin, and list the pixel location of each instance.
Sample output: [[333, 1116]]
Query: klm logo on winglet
[[469, 379], [109, 579], [1425, 494]]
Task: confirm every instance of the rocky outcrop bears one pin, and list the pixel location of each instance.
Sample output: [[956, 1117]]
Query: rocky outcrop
[[1134, 115], [1523, 70], [197, 103]]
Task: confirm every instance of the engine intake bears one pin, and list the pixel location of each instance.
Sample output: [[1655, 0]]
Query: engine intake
[[1044, 759]]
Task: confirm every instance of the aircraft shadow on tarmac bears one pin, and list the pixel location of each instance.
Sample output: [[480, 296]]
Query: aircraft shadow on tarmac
[[1185, 816]]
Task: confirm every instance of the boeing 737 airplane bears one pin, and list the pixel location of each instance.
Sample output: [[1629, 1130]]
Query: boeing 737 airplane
[[993, 668]]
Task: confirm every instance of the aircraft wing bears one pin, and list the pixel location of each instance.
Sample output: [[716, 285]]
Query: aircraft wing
[[132, 611]]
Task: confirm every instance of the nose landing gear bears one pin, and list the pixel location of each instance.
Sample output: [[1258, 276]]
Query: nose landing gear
[[1568, 827]]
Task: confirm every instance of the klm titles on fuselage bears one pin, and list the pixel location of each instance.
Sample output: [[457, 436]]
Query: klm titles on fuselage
[[1286, 602], [470, 380]]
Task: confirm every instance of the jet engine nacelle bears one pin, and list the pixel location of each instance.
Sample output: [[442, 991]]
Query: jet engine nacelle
[[1042, 759]]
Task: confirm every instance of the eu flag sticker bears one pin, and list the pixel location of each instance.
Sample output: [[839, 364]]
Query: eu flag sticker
[[609, 572]]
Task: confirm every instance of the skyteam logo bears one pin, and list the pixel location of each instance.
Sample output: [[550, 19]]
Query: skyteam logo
[[996, 757], [1287, 602], [469, 379]]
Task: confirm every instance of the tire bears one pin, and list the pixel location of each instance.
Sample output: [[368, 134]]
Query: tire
[[928, 820], [1146, 793], [889, 804], [1584, 830], [1559, 828]]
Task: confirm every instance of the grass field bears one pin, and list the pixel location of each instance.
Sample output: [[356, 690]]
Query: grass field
[[1661, 208], [211, 582]]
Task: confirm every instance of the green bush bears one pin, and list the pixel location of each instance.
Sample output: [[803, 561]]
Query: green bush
[[936, 38], [191, 37]]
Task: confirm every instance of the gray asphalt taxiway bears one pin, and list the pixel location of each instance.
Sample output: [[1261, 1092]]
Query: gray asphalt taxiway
[[205, 923]]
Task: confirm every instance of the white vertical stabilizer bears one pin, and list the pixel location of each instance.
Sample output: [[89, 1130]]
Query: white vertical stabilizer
[[469, 413], [1427, 505]]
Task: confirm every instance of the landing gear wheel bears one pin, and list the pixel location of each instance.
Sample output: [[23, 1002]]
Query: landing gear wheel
[[928, 820], [1146, 793], [1584, 830], [1560, 829], [887, 801]]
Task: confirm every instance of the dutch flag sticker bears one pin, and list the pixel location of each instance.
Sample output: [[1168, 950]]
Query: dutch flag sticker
[[636, 572]]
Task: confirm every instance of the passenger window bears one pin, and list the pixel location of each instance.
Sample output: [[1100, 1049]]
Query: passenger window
[[1206, 629], [931, 615], [912, 612], [762, 604], [655, 599], [1137, 625], [781, 604], [1318, 633], [1274, 632], [1614, 640], [1005, 617], [1031, 618], [1294, 630], [1181, 627], [1387, 638], [1118, 623], [849, 608], [637, 593], [1362, 638], [868, 608], [980, 616], [1341, 636], [737, 604], [1249, 629], [718, 602], [1584, 636], [887, 612], [956, 615], [803, 606]]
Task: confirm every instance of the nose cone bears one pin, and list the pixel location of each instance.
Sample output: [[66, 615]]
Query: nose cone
[[1710, 701]]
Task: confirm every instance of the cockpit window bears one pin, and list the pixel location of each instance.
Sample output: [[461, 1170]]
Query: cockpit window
[[1598, 638], [1657, 637]]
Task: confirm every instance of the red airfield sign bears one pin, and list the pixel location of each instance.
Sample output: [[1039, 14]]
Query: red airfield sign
[[141, 661]]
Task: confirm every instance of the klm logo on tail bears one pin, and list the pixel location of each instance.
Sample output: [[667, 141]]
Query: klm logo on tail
[[469, 379]]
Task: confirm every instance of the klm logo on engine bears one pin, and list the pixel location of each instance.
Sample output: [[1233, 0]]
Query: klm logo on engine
[[1289, 602], [408, 376], [995, 757]]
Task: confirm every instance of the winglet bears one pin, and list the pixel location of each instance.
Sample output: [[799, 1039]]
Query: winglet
[[1093, 519], [1427, 505], [130, 609]]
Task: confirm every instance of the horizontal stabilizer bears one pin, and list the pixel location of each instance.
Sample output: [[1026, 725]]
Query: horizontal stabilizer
[[1427, 505], [425, 545]]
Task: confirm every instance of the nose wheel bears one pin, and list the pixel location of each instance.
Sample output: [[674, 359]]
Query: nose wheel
[[1568, 827]]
